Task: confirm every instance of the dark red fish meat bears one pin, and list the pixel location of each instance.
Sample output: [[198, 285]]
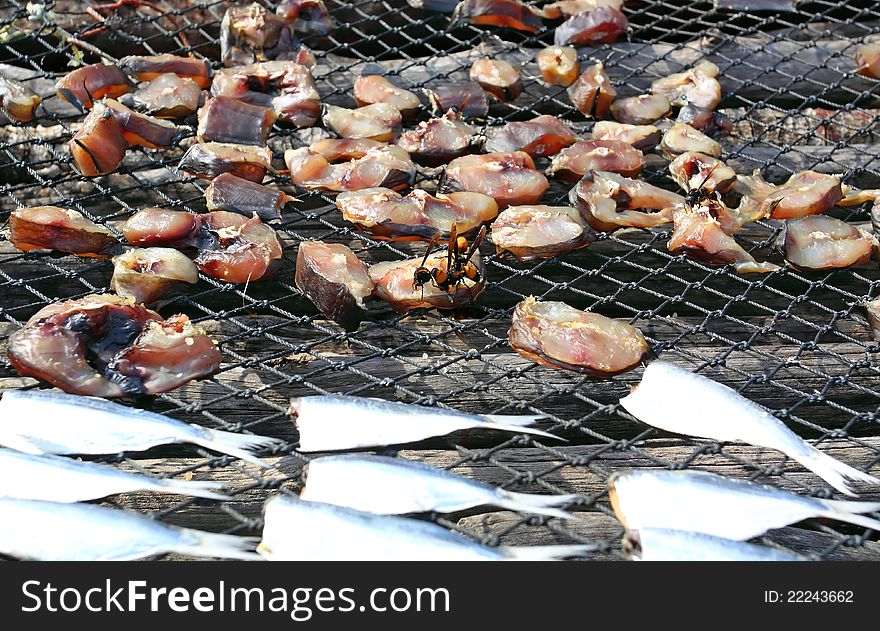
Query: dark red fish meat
[[60, 230], [224, 119], [602, 25], [98, 148], [83, 86], [542, 136], [335, 280], [506, 13], [306, 16], [107, 346], [467, 99], [148, 68]]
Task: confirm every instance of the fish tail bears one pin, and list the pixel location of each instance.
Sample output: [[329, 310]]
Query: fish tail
[[210, 544], [546, 553], [517, 423], [833, 471], [192, 488], [237, 445], [538, 504]]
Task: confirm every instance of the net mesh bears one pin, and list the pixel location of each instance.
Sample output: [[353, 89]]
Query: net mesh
[[796, 342]]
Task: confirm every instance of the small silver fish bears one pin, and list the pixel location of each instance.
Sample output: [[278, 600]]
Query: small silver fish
[[680, 401], [663, 544], [297, 530], [51, 531], [44, 422], [393, 486], [57, 479], [335, 422], [715, 505]]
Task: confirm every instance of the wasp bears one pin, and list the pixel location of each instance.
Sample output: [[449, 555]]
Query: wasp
[[459, 265]]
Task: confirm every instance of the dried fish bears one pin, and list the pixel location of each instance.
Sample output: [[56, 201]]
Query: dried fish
[[572, 163], [868, 60], [148, 68], [46, 422], [325, 532], [207, 160], [506, 13], [609, 201], [698, 233], [147, 275], [367, 164], [103, 345], [681, 138], [468, 99], [161, 226], [25, 476], [385, 214], [509, 177], [440, 140], [558, 65], [98, 148], [394, 281], [642, 137], [18, 101], [602, 25], [569, 8], [498, 77], [695, 86], [306, 16], [709, 122], [338, 422], [85, 85], [51, 531], [694, 171], [592, 94], [140, 130], [60, 230], [704, 502], [665, 544], [394, 486], [555, 334], [805, 193], [733, 418], [380, 121], [166, 96], [532, 232], [820, 242], [285, 86], [370, 89], [872, 310], [543, 136], [228, 192], [251, 34], [335, 280], [645, 109], [224, 119]]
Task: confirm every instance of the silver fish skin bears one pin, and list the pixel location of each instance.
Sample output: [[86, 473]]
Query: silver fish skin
[[298, 530], [57, 479], [393, 486], [663, 544], [712, 504], [336, 422], [51, 531], [715, 411], [46, 422]]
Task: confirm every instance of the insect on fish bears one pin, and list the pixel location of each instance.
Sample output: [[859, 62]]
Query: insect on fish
[[50, 531], [40, 422], [58, 479], [393, 486], [663, 544], [715, 505], [297, 530], [336, 422], [720, 413]]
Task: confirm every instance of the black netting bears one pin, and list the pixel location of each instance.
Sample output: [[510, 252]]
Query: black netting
[[796, 342]]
